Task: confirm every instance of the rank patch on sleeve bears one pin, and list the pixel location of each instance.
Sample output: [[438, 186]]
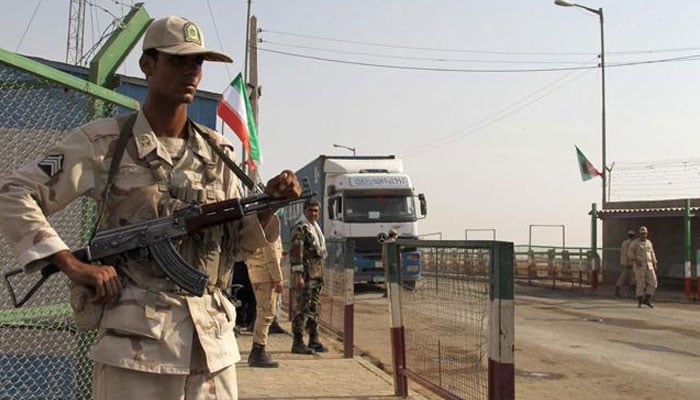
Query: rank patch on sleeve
[[52, 164]]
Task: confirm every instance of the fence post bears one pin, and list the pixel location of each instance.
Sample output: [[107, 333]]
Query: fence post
[[398, 344], [349, 313], [552, 266], [566, 265], [501, 375]]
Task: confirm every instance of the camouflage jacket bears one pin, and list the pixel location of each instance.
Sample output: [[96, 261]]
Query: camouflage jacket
[[307, 249], [641, 254], [151, 327]]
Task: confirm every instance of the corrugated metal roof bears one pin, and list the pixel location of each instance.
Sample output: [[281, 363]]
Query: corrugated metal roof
[[646, 212]]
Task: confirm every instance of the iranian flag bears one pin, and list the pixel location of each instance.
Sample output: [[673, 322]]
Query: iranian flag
[[588, 171], [234, 109]]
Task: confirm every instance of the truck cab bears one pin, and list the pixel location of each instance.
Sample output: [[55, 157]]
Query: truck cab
[[363, 197]]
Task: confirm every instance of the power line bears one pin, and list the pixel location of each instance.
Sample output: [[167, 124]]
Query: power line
[[502, 52], [436, 59], [433, 69], [218, 37], [499, 115], [692, 57], [29, 24], [398, 46]]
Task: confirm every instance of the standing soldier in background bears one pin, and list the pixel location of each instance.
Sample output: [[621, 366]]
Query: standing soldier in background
[[266, 277], [641, 255], [626, 268], [307, 254]]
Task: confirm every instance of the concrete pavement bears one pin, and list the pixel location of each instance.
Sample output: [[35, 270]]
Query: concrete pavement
[[319, 376]]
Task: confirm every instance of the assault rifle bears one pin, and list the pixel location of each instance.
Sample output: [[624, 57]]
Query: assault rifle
[[154, 238]]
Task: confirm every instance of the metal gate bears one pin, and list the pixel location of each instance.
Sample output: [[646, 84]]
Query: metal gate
[[454, 332]]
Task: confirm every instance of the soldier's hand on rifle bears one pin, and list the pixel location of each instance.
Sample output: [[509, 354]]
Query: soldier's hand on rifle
[[102, 278], [279, 287], [285, 185]]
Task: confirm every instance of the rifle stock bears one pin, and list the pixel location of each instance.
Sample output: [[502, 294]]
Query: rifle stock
[[155, 238]]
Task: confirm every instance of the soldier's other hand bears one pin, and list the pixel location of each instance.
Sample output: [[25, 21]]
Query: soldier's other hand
[[279, 287], [299, 281], [285, 185]]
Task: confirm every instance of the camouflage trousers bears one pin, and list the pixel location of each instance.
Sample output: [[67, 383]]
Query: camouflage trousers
[[307, 304]]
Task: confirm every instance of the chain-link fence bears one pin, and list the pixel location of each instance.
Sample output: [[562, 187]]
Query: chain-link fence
[[41, 354], [448, 333], [337, 308]]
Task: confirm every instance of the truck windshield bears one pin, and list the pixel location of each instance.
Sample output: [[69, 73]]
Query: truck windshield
[[379, 208]]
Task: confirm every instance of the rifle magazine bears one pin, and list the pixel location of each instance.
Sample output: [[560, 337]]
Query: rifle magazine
[[177, 269]]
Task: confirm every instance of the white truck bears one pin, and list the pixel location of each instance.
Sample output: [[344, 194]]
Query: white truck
[[362, 198]]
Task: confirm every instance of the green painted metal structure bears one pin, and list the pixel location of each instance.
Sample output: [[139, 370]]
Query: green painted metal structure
[[118, 46], [67, 80]]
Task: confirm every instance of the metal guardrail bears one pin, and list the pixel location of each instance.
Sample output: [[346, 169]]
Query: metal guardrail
[[557, 265]]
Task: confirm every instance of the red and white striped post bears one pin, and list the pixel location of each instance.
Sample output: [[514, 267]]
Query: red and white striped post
[[398, 344]]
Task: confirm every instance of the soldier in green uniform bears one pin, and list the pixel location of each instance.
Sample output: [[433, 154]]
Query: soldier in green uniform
[[307, 254]]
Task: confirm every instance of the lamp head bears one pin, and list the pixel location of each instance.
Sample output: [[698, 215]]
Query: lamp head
[[563, 3]]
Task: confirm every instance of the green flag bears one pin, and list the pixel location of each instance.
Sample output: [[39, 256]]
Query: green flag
[[588, 171]]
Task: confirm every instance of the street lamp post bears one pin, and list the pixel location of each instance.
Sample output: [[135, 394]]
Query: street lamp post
[[599, 13], [345, 147]]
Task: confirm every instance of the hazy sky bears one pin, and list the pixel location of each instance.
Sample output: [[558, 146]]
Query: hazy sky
[[490, 150]]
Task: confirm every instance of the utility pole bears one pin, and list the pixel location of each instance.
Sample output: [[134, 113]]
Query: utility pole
[[253, 68], [76, 31], [247, 42], [252, 83]]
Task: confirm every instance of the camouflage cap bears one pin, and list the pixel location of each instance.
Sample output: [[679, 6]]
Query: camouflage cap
[[179, 37]]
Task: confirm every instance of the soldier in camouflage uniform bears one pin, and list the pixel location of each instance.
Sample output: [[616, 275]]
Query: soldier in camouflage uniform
[[156, 340], [642, 256], [307, 254]]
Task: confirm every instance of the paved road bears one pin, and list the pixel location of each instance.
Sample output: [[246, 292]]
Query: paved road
[[572, 345]]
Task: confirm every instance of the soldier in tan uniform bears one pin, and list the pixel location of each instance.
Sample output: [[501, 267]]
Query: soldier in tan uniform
[[156, 340], [626, 268], [307, 255], [266, 277], [641, 255]]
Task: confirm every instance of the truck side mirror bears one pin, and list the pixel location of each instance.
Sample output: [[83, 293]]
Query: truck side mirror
[[331, 208], [423, 205]]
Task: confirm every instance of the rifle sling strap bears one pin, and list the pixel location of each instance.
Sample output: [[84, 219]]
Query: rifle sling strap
[[126, 126], [247, 181]]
